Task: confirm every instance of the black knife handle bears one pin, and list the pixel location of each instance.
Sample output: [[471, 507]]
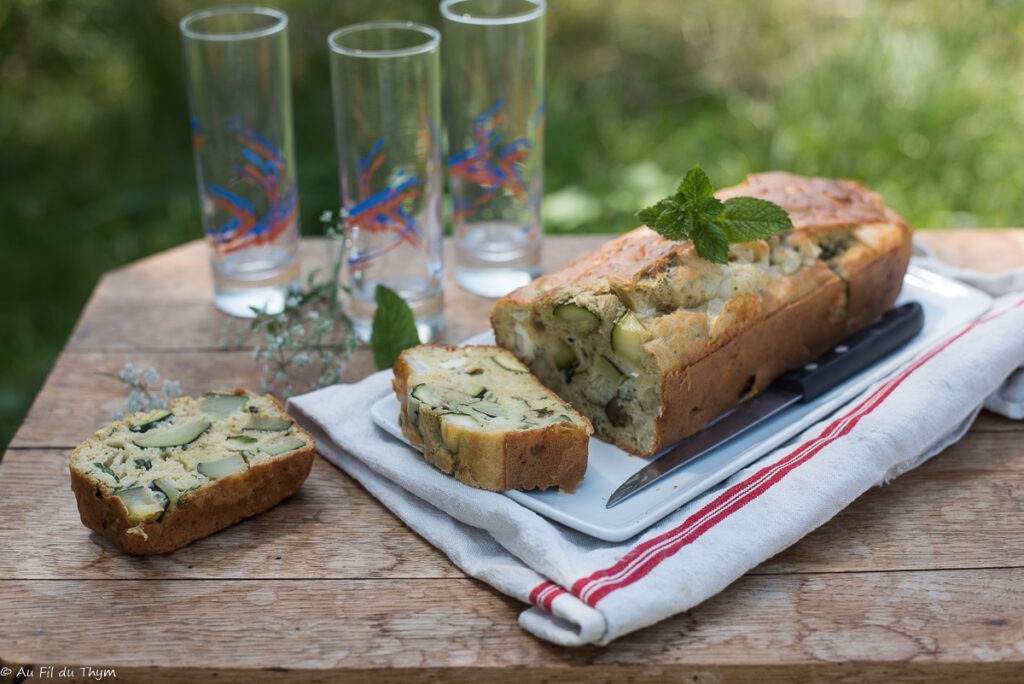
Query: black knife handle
[[886, 334]]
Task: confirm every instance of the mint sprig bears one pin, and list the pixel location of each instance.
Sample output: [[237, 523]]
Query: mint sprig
[[694, 213], [394, 327]]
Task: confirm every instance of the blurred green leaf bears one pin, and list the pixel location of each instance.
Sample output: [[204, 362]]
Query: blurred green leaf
[[394, 328]]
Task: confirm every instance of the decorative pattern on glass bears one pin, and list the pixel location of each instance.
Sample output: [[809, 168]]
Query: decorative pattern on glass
[[490, 163], [262, 166], [384, 212]]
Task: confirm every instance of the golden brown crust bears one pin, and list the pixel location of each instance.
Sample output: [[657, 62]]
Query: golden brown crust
[[714, 334], [498, 459], [400, 383], [815, 205], [694, 394], [219, 505], [213, 507], [539, 459]]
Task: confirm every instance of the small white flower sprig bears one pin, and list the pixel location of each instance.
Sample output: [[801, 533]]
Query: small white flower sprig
[[147, 391], [311, 334]]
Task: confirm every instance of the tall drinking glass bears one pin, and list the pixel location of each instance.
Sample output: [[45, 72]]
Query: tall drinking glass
[[239, 87], [494, 114], [385, 79]]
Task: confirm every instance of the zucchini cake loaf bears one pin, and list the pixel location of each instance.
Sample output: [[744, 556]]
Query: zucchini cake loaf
[[479, 414], [158, 480], [651, 342]]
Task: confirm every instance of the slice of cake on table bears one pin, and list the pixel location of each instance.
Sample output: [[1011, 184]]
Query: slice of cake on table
[[159, 480], [479, 414], [651, 342]]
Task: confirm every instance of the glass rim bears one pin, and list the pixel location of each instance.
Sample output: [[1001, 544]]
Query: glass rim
[[431, 42], [280, 23], [479, 19]]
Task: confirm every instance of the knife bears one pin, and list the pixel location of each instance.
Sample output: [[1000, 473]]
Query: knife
[[859, 351]]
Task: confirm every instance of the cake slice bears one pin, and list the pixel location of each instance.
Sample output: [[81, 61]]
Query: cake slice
[[159, 480], [479, 414]]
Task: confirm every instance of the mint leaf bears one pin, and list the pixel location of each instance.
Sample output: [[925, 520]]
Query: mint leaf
[[694, 213], [695, 186], [749, 218], [711, 243], [394, 328], [649, 215], [667, 218], [707, 209]]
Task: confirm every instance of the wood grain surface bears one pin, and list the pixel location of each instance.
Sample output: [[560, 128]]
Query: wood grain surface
[[920, 580]]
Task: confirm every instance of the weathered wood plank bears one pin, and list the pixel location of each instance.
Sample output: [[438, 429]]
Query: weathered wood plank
[[924, 619], [330, 529], [126, 324], [937, 516], [182, 273], [77, 400], [961, 510], [890, 673], [991, 422], [166, 302]]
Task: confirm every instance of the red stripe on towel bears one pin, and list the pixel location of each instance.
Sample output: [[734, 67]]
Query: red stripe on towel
[[544, 594]]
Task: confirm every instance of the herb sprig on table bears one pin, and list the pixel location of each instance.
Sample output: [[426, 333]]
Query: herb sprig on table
[[313, 330], [309, 333], [310, 337], [694, 213], [299, 337]]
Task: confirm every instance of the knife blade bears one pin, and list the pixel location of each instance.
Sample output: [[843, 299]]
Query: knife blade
[[859, 351]]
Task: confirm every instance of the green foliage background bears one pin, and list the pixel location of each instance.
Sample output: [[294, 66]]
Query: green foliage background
[[921, 100]]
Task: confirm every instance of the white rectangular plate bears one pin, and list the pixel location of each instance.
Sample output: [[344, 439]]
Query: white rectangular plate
[[947, 305]]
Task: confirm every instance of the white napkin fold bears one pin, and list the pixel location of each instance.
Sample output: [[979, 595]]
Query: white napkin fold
[[1008, 400], [583, 590]]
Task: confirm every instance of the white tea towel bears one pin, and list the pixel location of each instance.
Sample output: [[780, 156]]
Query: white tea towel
[[583, 590], [1009, 399]]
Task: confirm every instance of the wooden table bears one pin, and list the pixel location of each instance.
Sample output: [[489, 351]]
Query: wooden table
[[919, 580]]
